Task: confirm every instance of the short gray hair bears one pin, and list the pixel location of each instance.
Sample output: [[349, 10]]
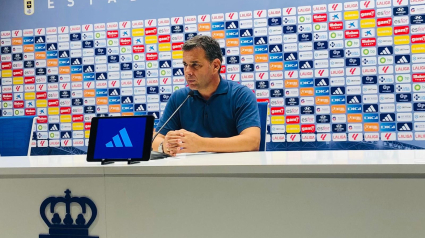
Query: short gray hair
[[208, 44]]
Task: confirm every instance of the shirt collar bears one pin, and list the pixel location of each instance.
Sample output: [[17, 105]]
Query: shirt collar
[[223, 88]]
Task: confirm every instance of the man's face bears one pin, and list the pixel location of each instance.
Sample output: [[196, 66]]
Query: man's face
[[198, 71]]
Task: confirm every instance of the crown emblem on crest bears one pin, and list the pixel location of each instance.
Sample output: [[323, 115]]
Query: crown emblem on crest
[[72, 225]]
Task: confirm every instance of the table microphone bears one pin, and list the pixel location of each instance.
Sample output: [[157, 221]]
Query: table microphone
[[190, 94]]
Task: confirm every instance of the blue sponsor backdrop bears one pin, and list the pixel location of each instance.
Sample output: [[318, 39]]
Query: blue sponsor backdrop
[[317, 62]]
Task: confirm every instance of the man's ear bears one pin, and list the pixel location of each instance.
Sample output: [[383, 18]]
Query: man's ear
[[217, 65]]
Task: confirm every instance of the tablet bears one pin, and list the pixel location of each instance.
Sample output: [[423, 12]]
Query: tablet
[[124, 139]]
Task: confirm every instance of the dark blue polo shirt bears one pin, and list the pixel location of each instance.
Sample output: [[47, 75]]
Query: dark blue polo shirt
[[229, 111]]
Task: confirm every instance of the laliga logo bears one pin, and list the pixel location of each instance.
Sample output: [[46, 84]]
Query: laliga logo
[[366, 4], [67, 226]]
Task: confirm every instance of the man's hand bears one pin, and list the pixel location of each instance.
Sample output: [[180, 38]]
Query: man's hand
[[171, 144], [189, 142]]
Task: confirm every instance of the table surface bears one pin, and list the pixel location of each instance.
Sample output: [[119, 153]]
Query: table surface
[[276, 163]]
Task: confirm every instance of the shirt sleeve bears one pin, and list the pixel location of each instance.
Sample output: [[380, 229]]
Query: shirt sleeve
[[174, 123], [246, 113]]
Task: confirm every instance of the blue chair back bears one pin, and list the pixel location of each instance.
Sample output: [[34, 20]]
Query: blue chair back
[[262, 108], [15, 135]]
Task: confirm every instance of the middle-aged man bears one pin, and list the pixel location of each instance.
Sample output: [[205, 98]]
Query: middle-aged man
[[222, 116]]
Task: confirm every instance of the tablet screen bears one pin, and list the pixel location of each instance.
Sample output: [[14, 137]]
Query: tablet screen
[[120, 138]]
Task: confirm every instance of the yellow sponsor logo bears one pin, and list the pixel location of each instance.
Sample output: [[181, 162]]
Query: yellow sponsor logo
[[151, 39], [66, 118], [352, 15], [29, 96], [87, 134], [385, 31], [367, 23], [138, 32], [6, 73], [41, 103], [293, 129], [401, 40], [78, 126], [18, 80], [278, 120], [177, 54], [418, 48], [53, 111], [164, 47]]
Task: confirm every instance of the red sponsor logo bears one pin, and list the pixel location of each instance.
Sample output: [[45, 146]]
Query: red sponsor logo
[[310, 128], [30, 112], [367, 13], [293, 119], [352, 34], [138, 48], [366, 4], [152, 56], [87, 125], [387, 136], [41, 95], [320, 17], [18, 72], [124, 24], [164, 39], [261, 75], [291, 73], [339, 25], [401, 30], [223, 69], [77, 118], [334, 6], [7, 96], [418, 78], [388, 21], [259, 13], [231, 16], [125, 41], [385, 69], [320, 72], [42, 119], [150, 22], [53, 103], [18, 104], [418, 39], [65, 110], [277, 111], [263, 100], [6, 65], [150, 31], [112, 34], [177, 46], [368, 42], [29, 80]]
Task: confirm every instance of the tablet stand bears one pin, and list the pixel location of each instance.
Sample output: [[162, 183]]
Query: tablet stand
[[133, 162], [106, 162]]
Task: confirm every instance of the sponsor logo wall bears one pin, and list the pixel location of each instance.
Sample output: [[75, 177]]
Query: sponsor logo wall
[[352, 71]]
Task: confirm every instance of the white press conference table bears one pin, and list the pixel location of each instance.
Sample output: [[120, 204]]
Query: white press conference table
[[320, 194]]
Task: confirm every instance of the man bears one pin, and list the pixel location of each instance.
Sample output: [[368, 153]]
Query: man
[[222, 116]]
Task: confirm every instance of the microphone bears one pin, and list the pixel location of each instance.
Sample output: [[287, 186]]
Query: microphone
[[190, 94]]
